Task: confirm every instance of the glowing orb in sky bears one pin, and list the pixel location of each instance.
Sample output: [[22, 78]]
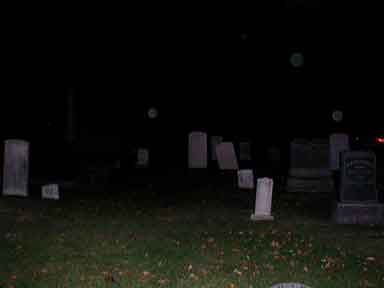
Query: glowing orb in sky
[[153, 113], [297, 59]]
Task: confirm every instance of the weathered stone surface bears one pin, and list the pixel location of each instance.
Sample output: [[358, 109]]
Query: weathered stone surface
[[358, 213], [16, 168]]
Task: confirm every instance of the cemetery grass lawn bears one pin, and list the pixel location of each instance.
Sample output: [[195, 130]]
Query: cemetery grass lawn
[[124, 243]]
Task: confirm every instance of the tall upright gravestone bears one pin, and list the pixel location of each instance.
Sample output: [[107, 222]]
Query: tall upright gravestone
[[226, 156], [16, 168], [197, 150], [263, 201]]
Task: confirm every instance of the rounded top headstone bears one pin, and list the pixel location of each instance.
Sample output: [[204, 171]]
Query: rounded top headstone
[[244, 36], [290, 285], [296, 59]]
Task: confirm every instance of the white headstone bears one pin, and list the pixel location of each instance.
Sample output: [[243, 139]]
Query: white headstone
[[197, 150], [50, 191], [245, 151], [338, 142], [263, 200], [245, 179], [142, 157], [16, 168], [215, 140], [226, 156]]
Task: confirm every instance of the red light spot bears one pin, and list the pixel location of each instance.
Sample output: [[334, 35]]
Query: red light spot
[[380, 140]]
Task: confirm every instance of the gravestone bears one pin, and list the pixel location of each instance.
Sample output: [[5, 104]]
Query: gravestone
[[16, 168], [358, 177], [226, 156], [338, 143], [309, 166], [245, 153], [245, 179], [263, 202], [309, 159], [197, 150], [142, 158], [50, 191], [358, 196], [215, 140]]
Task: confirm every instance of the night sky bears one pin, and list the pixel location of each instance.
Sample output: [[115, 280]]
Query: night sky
[[226, 72]]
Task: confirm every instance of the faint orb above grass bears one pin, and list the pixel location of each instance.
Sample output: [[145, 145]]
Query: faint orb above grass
[[243, 36], [153, 113]]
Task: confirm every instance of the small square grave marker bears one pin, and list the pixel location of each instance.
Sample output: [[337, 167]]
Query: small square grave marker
[[50, 191], [245, 179]]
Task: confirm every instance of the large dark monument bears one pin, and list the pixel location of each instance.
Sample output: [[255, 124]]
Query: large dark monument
[[358, 201], [309, 169]]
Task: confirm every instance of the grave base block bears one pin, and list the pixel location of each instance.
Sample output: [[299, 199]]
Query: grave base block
[[358, 213], [255, 217]]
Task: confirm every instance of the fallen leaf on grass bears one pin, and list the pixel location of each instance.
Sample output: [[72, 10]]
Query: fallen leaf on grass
[[193, 277], [231, 285], [211, 240], [145, 276], [236, 271], [270, 267], [204, 272], [277, 257], [163, 281], [108, 277], [275, 244]]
